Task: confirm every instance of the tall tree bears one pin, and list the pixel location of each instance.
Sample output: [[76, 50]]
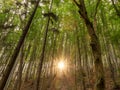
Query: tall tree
[[17, 49], [95, 45], [39, 70]]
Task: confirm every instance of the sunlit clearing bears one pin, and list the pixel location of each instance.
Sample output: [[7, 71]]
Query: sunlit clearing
[[61, 65]]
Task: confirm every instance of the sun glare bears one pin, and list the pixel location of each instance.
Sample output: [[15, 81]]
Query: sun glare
[[61, 65]]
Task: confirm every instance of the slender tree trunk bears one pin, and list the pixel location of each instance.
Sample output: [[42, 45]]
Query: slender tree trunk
[[115, 56], [109, 59], [81, 70], [75, 71], [17, 49], [17, 79], [86, 61], [37, 83], [21, 67]]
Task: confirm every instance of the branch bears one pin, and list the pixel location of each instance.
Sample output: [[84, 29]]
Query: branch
[[117, 11], [7, 26], [76, 3], [98, 2], [51, 14], [82, 6]]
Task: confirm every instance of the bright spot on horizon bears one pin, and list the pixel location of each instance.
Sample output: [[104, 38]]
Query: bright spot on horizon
[[61, 65]]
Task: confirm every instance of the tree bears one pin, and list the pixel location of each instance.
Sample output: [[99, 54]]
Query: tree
[[17, 49], [95, 45]]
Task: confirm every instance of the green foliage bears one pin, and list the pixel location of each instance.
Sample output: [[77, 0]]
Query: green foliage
[[2, 18], [115, 36], [65, 18], [64, 27], [12, 38]]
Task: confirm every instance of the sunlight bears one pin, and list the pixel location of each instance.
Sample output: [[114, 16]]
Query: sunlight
[[61, 65]]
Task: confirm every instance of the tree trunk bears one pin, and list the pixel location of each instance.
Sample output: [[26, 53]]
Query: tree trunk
[[95, 45], [81, 70], [20, 67], [39, 70], [17, 49]]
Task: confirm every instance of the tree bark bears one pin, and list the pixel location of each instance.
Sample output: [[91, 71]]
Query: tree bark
[[80, 65], [39, 70], [95, 45], [17, 49]]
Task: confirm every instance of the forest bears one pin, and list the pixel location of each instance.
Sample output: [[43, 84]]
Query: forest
[[59, 44]]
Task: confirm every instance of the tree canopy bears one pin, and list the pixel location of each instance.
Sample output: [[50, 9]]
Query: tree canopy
[[38, 38]]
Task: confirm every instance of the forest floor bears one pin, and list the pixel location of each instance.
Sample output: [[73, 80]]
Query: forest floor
[[68, 83]]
